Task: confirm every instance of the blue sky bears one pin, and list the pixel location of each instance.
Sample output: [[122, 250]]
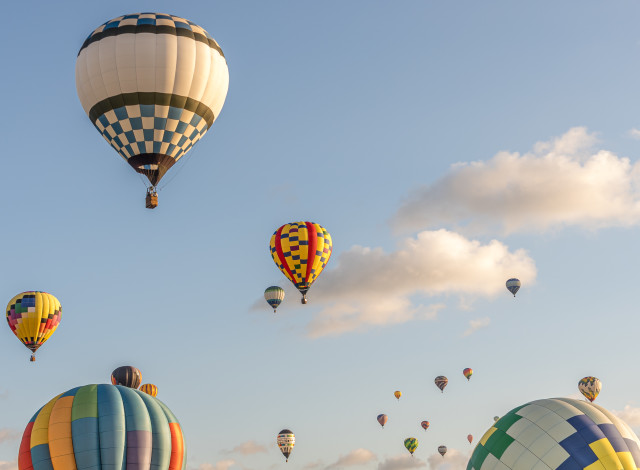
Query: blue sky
[[345, 114]]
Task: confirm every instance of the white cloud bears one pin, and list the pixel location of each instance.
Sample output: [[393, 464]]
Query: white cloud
[[369, 287], [13, 465], [634, 133], [221, 465], [401, 463], [564, 182], [247, 448], [630, 415], [475, 325], [356, 457], [453, 460]]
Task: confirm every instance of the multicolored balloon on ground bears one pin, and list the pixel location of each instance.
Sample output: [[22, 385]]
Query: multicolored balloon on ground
[[301, 250], [152, 84], [128, 376], [286, 440], [441, 382], [468, 372], [33, 316], [557, 434], [274, 296], [425, 425], [442, 450], [397, 394], [470, 438], [382, 419], [513, 285], [103, 427], [149, 389], [590, 387], [411, 443]]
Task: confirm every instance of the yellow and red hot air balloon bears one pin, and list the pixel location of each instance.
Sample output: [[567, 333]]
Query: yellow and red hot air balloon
[[468, 372], [301, 250], [397, 394], [149, 389], [33, 316]]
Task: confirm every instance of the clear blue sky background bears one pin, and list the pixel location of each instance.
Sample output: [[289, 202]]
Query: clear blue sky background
[[336, 111]]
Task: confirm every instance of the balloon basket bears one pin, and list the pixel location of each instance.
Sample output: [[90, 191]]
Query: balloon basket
[[152, 200]]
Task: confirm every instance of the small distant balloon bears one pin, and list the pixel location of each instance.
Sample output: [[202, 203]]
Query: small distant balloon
[[411, 443], [286, 440], [274, 296], [382, 419], [441, 382], [513, 285], [442, 450], [470, 438], [425, 425], [397, 394], [590, 387], [468, 372], [128, 376], [496, 418], [149, 389]]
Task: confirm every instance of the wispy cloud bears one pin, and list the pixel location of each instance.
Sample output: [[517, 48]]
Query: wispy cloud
[[475, 325], [7, 435], [13, 465], [629, 414], [453, 460], [353, 458], [247, 448], [634, 133], [221, 465], [401, 463], [563, 182], [369, 287]]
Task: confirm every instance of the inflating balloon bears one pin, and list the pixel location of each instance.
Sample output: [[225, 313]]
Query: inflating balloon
[[382, 419], [441, 382], [33, 316], [397, 394], [513, 285], [590, 387], [149, 389], [301, 250], [152, 84], [103, 427], [274, 296], [286, 440], [468, 372], [411, 443], [128, 376], [425, 425], [574, 434]]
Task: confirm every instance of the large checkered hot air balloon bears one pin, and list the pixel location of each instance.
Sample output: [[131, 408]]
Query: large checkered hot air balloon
[[152, 84], [301, 250], [557, 434], [33, 316], [103, 427]]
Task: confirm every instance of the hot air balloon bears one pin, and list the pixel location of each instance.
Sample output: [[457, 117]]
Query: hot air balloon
[[441, 382], [397, 394], [442, 450], [152, 84], [513, 285], [128, 376], [590, 387], [274, 296], [496, 419], [149, 389], [425, 425], [411, 443], [576, 435], [103, 427], [301, 250], [470, 438], [33, 316], [286, 440], [382, 419], [468, 372]]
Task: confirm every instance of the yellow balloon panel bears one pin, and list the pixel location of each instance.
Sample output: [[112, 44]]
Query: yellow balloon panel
[[33, 316]]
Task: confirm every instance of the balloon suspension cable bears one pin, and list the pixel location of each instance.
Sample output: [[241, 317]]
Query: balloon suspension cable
[[144, 182], [185, 160]]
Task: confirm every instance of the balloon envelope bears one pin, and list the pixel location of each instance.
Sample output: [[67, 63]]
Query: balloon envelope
[[590, 387], [286, 440], [33, 316], [128, 376], [149, 389], [513, 285], [442, 450], [102, 427], [397, 394], [578, 435], [411, 443], [152, 84], [441, 382], [468, 372], [425, 425], [470, 438], [382, 419], [274, 296], [301, 250]]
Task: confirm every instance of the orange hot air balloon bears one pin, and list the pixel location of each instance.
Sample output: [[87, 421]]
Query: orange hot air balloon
[[397, 394], [470, 438], [468, 372]]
